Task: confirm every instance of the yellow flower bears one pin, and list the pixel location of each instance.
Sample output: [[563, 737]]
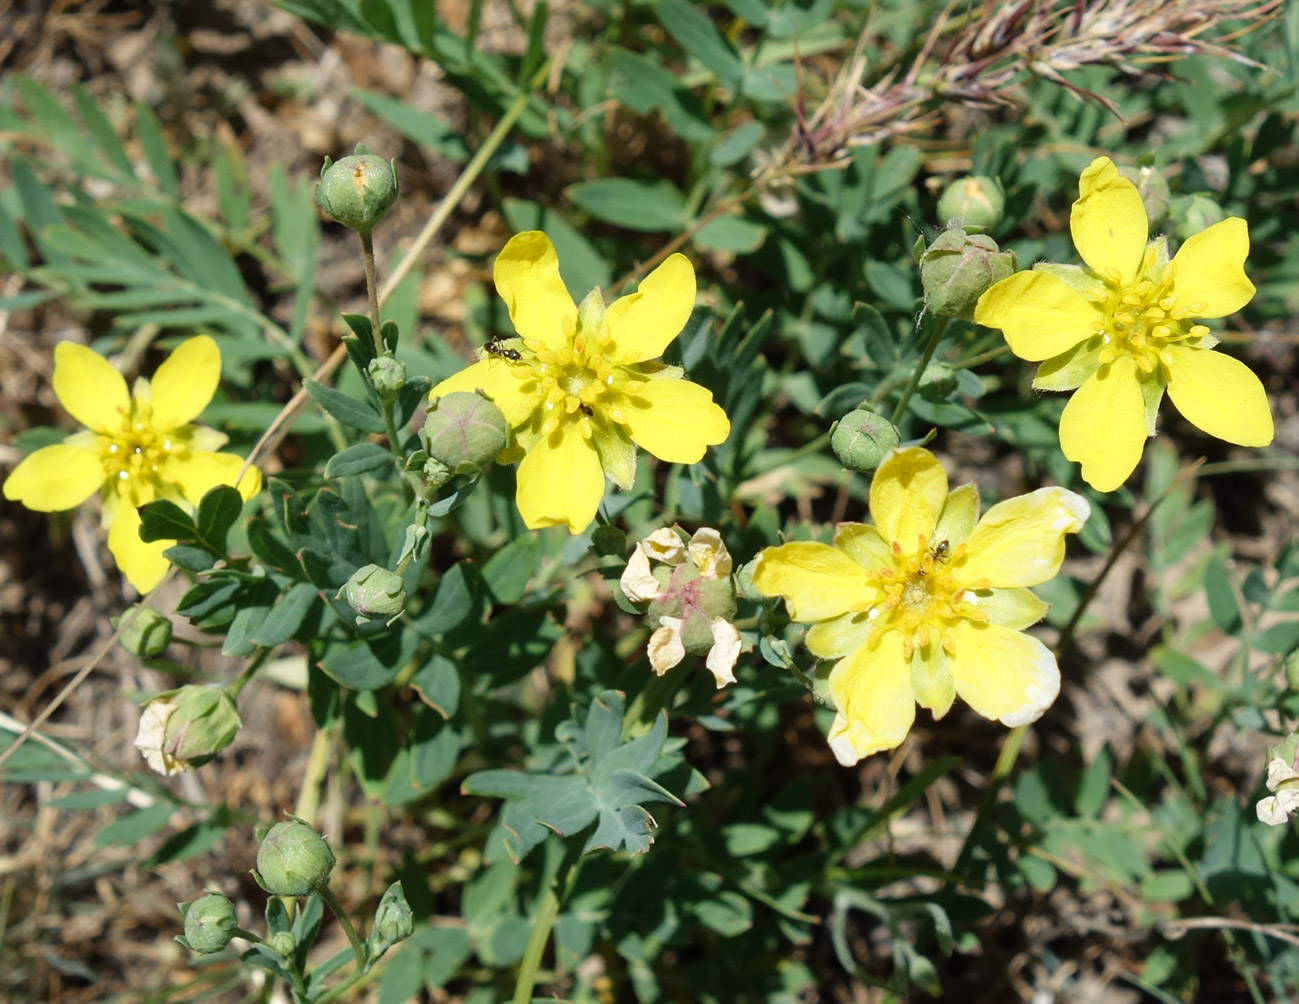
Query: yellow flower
[[928, 603], [136, 447], [580, 386], [1122, 330]]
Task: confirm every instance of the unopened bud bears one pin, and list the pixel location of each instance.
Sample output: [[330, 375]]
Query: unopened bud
[[974, 200], [1193, 213], [185, 728], [937, 381], [210, 923], [374, 593], [1153, 189], [388, 376], [293, 860], [358, 190], [861, 439], [147, 635], [957, 269], [284, 943], [393, 921], [464, 428], [608, 541]]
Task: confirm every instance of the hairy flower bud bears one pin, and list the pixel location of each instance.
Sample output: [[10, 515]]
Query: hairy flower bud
[[975, 200], [284, 943], [1193, 213], [957, 269], [147, 635], [374, 593], [185, 728], [464, 428], [210, 923], [393, 921], [388, 376], [861, 439], [358, 190], [293, 860]]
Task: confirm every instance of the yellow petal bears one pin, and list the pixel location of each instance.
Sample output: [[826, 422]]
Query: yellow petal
[[644, 323], [959, 516], [816, 581], [1220, 395], [906, 497], [872, 692], [527, 279], [141, 563], [55, 478], [560, 481], [1039, 314], [1004, 675], [675, 420], [839, 636], [1020, 542], [1016, 609], [511, 386], [1108, 221], [1210, 269], [88, 387], [200, 472], [863, 543], [931, 680], [1104, 426], [185, 383]]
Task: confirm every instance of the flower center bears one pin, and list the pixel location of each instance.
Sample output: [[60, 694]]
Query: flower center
[[1141, 319], [135, 456], [924, 596]]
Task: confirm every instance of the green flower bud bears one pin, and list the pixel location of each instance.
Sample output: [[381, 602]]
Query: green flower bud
[[388, 376], [1192, 213], [185, 728], [393, 921], [284, 943], [464, 428], [957, 269], [293, 860], [821, 685], [210, 923], [148, 634], [357, 191], [744, 580], [608, 541], [1153, 188], [937, 381], [861, 439], [374, 593], [975, 200]]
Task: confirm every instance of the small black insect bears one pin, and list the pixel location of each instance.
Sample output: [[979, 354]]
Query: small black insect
[[939, 550], [495, 348], [586, 410]]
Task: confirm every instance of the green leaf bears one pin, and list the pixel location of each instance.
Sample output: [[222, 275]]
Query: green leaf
[[1218, 590], [698, 35], [136, 825], [347, 409], [369, 664], [164, 520], [438, 684], [1094, 785], [459, 593], [631, 204], [217, 512], [1279, 639], [360, 458], [191, 557], [425, 129], [731, 233], [155, 150], [507, 572], [286, 616]]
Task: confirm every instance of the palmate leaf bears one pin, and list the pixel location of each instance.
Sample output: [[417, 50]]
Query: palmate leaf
[[606, 783]]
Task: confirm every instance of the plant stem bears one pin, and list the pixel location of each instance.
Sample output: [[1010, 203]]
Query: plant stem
[[545, 921], [935, 337], [317, 767], [656, 695], [254, 664], [1005, 762], [331, 901], [372, 290]]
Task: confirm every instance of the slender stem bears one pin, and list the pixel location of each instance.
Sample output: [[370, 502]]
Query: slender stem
[[656, 695], [331, 901], [934, 338], [1005, 762], [372, 290], [317, 767], [545, 921], [254, 664]]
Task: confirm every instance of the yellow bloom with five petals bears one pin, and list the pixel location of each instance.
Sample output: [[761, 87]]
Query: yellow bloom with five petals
[[137, 446], [581, 386], [1124, 329], [927, 604]]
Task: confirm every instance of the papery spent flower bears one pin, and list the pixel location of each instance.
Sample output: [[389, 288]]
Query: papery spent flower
[[691, 599], [1282, 781], [582, 387], [137, 446], [1123, 330], [927, 604], [185, 728]]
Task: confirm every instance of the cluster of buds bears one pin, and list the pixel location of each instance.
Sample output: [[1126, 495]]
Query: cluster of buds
[[1282, 781], [690, 599], [185, 728]]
